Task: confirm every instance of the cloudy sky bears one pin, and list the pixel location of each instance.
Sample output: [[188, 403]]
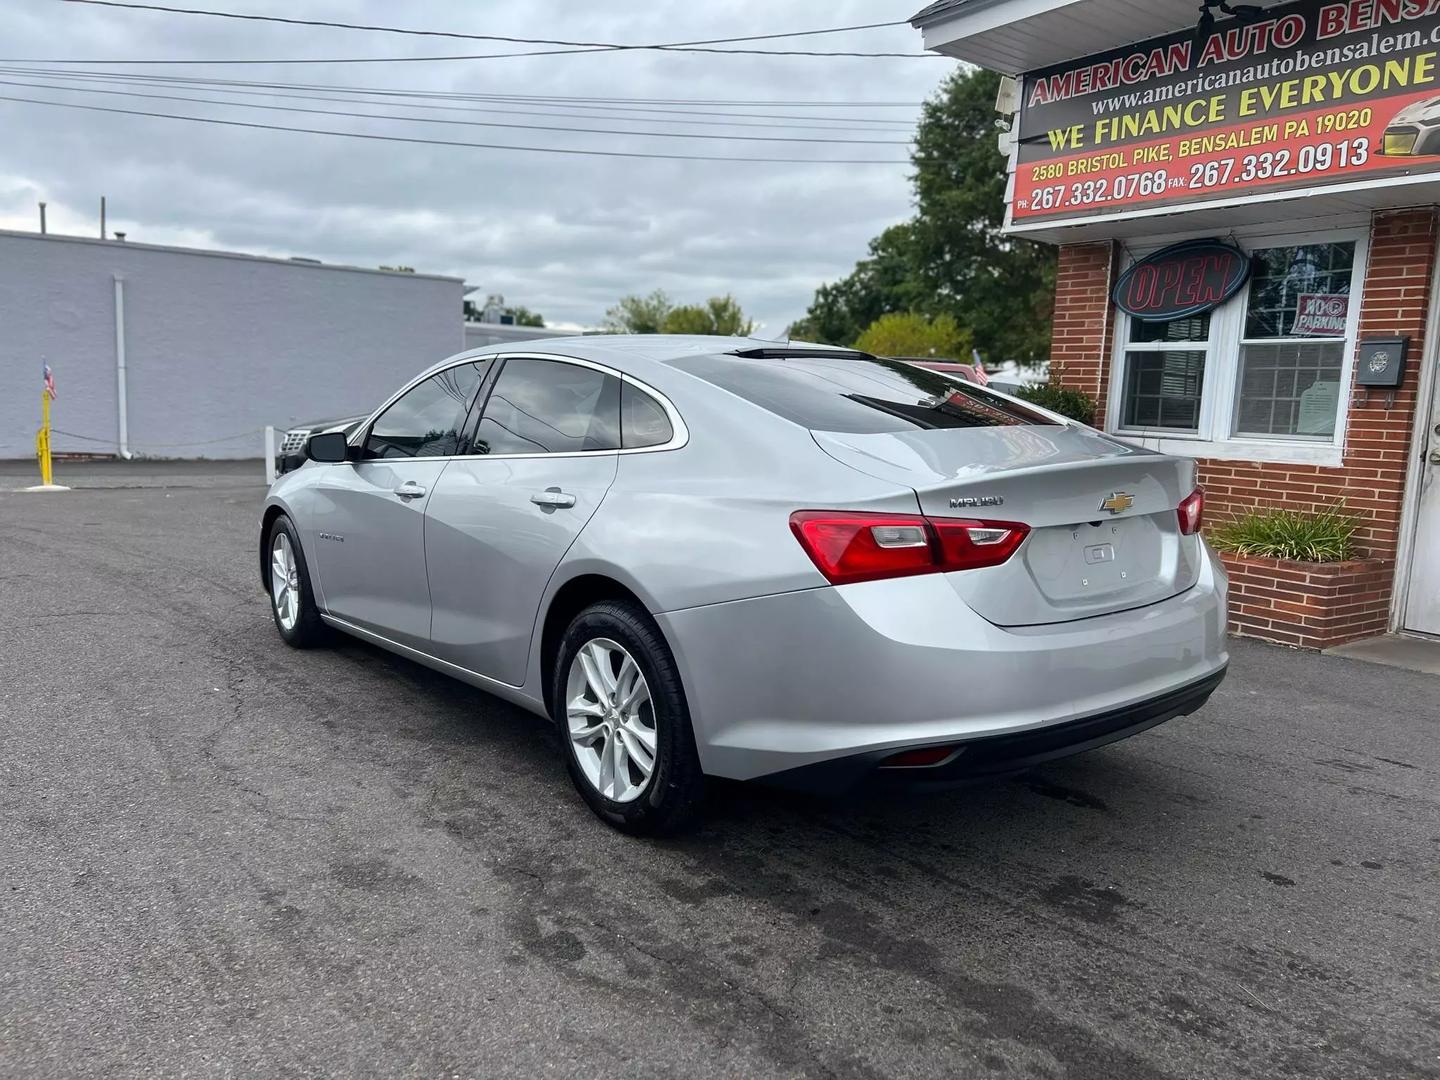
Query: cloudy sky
[[565, 235]]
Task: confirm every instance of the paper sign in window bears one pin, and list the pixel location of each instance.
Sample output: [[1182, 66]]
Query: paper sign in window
[[1318, 406]]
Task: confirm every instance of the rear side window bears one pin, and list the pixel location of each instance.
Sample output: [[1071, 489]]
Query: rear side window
[[859, 396], [643, 421], [549, 407]]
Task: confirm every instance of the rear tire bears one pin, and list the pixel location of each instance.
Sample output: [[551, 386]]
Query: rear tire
[[624, 727], [292, 600]]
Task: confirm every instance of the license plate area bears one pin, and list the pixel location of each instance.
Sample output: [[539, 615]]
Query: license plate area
[[1095, 561]]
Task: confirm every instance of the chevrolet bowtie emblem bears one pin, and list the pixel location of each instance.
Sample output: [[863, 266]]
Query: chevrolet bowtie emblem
[[1117, 502]]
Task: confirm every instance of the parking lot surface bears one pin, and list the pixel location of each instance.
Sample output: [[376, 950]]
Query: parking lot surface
[[219, 856]]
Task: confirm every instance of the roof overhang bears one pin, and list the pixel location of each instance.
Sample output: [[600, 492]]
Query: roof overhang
[[1016, 36]]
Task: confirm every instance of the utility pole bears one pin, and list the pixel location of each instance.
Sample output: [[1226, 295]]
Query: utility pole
[[102, 217], [42, 219]]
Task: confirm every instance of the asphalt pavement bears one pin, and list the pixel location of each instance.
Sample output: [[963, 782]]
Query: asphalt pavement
[[223, 857]]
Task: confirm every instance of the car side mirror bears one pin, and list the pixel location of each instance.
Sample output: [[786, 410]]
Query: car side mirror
[[329, 447]]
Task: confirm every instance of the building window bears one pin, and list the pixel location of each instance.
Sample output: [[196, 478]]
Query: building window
[[1293, 352], [1268, 366], [1165, 373]]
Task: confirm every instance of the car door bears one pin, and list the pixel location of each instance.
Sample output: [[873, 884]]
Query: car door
[[543, 454], [370, 513]]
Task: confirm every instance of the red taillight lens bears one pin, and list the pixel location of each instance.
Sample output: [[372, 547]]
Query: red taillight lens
[[1192, 512], [969, 545], [850, 547]]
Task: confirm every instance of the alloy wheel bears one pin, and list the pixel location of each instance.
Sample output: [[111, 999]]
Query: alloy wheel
[[284, 582], [611, 720]]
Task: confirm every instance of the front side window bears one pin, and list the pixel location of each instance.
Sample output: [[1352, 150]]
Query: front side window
[[549, 407], [1292, 354], [427, 420]]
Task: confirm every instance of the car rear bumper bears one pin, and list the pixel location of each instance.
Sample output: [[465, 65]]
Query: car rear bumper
[[1000, 755], [781, 683]]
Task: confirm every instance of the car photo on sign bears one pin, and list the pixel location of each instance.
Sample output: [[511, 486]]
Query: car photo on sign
[[1414, 131]]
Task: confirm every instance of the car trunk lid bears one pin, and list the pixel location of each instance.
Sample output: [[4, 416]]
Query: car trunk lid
[[1104, 532]]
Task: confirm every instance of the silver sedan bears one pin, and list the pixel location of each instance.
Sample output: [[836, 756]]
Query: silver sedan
[[727, 557]]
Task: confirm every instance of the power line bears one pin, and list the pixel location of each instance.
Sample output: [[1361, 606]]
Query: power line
[[451, 142], [703, 45], [463, 123], [271, 60], [502, 110], [547, 101]]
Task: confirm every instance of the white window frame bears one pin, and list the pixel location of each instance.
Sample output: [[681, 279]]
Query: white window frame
[[1219, 395]]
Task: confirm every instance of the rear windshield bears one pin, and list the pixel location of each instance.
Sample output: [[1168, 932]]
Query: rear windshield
[[859, 396]]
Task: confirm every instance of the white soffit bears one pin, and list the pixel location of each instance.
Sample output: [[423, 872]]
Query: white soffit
[[1015, 36]]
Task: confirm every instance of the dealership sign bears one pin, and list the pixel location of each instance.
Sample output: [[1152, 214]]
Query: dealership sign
[[1307, 94], [1182, 280]]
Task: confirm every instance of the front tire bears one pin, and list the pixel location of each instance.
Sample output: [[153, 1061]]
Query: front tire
[[292, 600], [623, 723]]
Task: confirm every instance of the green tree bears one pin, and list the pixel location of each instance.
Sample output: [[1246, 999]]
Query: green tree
[[1000, 287], [639, 314], [719, 315], [657, 314], [951, 258], [909, 334], [883, 283]]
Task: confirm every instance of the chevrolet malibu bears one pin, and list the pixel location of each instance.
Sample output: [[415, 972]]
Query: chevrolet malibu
[[734, 558]]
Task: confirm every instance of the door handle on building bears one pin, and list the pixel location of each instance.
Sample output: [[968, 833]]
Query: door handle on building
[[1435, 457], [553, 498], [410, 490]]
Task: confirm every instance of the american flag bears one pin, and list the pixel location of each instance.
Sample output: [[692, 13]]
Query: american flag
[[979, 365], [49, 382]]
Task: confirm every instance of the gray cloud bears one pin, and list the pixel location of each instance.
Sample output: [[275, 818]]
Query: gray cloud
[[562, 235]]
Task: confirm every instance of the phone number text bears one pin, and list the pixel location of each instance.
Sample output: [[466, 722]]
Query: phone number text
[[1202, 176]]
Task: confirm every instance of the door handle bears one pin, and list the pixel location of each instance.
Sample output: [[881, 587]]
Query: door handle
[[553, 498], [1435, 457], [410, 490]]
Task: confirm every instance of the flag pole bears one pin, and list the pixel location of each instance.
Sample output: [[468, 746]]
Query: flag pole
[[42, 441], [42, 438]]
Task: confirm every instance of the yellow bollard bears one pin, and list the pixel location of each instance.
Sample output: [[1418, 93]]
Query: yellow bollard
[[42, 441]]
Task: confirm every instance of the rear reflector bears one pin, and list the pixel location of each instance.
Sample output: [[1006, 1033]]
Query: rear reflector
[[1192, 512], [850, 547], [918, 759]]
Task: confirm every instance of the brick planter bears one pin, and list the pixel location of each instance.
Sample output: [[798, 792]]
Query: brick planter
[[1308, 605]]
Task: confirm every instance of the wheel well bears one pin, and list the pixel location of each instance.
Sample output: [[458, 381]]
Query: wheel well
[[266, 521], [572, 598]]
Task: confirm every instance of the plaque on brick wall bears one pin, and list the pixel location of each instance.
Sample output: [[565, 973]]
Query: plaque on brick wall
[[1381, 362]]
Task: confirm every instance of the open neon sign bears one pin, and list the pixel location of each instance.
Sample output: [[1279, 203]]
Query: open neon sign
[[1182, 280]]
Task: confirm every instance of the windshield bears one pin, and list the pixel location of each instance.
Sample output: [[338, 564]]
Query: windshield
[[864, 395]]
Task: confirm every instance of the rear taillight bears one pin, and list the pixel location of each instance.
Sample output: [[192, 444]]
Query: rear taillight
[[1192, 512], [850, 547]]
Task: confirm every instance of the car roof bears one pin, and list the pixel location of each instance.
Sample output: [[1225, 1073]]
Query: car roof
[[644, 355]]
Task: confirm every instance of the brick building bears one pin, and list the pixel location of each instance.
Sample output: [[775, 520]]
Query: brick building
[[1296, 141]]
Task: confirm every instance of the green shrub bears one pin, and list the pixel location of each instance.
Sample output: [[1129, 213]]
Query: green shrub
[[1328, 536], [1075, 404]]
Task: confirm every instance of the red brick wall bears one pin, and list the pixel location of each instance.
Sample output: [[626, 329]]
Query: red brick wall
[[1371, 478], [1084, 323], [1308, 605]]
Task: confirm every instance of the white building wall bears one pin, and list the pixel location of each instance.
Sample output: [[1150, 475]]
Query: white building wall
[[217, 345], [478, 334]]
